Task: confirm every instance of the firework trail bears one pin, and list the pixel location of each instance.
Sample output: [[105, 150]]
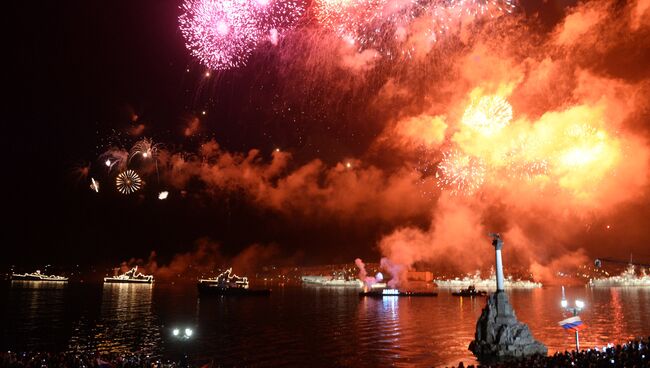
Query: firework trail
[[462, 174], [115, 158], [128, 182], [488, 115], [351, 20], [94, 185], [144, 147]]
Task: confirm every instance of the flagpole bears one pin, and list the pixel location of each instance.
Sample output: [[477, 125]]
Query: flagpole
[[575, 313]]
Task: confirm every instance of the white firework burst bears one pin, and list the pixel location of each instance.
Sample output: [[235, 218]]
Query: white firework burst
[[128, 182]]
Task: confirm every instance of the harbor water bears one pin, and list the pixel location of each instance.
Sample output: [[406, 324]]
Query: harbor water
[[296, 326]]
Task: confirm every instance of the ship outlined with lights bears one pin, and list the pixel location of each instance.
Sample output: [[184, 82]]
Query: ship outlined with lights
[[485, 284], [227, 283], [331, 281], [131, 276], [37, 276], [627, 278]]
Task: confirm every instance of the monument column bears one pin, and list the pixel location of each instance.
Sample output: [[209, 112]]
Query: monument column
[[498, 244]]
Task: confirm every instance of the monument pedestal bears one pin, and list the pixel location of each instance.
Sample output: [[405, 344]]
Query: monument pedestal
[[499, 335]]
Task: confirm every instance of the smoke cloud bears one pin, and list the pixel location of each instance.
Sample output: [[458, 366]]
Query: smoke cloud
[[205, 260]]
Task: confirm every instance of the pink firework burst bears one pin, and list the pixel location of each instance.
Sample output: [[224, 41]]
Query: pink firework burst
[[221, 34], [461, 173], [278, 16]]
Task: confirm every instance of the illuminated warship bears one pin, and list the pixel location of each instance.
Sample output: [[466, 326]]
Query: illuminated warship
[[131, 276], [626, 278], [332, 281], [486, 284], [227, 283], [37, 276]]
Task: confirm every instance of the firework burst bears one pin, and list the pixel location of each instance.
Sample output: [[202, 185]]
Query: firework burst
[[488, 115], [145, 148], [128, 182], [528, 170], [483, 8], [221, 34], [277, 16], [462, 174], [352, 20]]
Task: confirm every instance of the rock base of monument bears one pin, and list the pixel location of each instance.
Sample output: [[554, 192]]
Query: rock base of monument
[[500, 336]]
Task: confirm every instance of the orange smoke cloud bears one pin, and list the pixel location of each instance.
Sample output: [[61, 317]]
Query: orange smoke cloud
[[350, 190], [205, 260], [192, 127]]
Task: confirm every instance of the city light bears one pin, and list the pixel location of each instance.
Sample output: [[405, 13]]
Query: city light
[[185, 335]]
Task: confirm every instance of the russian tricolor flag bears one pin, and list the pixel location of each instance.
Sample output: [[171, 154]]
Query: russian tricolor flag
[[573, 323]]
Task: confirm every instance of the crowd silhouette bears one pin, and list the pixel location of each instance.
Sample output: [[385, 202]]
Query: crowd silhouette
[[631, 354]]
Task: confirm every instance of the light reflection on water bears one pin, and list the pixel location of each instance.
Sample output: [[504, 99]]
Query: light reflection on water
[[297, 326], [126, 322]]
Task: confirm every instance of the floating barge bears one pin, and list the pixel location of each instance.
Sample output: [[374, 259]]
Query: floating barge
[[395, 292]]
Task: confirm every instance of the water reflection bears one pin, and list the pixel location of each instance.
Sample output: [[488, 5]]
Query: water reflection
[[35, 310], [295, 325], [126, 322]]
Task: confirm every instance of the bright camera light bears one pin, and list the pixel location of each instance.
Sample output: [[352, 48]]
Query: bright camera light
[[564, 303], [176, 331], [580, 304], [188, 332]]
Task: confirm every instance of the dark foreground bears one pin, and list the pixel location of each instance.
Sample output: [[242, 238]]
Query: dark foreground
[[631, 354]]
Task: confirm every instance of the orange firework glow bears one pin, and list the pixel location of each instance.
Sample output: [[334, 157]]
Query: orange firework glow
[[488, 115]]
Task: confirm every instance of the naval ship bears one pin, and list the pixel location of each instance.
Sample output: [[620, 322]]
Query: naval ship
[[331, 281], [227, 283], [130, 277], [626, 278], [37, 276]]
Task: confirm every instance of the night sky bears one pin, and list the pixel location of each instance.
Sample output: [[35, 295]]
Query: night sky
[[84, 75]]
